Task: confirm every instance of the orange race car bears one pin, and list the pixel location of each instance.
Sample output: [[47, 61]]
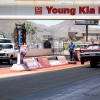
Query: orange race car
[[77, 51]]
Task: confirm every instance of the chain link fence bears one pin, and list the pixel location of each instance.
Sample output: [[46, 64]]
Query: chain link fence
[[37, 42]]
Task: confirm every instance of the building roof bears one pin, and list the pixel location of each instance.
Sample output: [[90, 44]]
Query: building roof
[[92, 31], [67, 2], [79, 35]]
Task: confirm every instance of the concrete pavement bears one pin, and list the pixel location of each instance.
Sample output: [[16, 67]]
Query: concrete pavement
[[5, 72]]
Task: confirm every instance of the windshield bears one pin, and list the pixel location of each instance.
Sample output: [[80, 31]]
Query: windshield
[[81, 46], [6, 46], [5, 41], [93, 45]]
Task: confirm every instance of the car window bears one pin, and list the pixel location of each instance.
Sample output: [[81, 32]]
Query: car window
[[93, 45], [5, 41], [6, 46], [81, 46]]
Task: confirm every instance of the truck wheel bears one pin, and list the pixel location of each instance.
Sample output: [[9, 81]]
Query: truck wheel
[[10, 61], [93, 63], [1, 62], [82, 61]]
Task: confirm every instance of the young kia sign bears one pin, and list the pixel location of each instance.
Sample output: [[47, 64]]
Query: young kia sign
[[71, 11], [46, 12]]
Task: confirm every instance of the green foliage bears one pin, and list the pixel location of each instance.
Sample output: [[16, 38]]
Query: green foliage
[[67, 39], [64, 39], [65, 46], [29, 28], [61, 38], [12, 34]]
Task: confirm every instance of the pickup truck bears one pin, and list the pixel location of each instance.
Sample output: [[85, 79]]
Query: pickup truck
[[8, 53], [91, 53]]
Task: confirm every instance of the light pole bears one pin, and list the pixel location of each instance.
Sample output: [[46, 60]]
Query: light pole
[[19, 26]]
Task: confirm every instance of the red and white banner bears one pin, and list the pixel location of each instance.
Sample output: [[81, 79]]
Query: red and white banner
[[49, 12], [54, 62], [62, 59], [31, 63], [44, 62]]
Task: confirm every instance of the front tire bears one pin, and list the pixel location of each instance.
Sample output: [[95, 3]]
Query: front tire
[[82, 61], [1, 62], [10, 61], [93, 63]]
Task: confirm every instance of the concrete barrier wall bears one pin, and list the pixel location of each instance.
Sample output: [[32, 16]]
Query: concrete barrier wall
[[38, 52]]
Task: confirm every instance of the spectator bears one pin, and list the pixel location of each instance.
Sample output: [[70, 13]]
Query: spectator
[[40, 45], [24, 48], [71, 48], [92, 41], [47, 44]]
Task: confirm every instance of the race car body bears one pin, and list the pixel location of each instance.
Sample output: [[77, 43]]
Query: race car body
[[91, 53], [77, 51]]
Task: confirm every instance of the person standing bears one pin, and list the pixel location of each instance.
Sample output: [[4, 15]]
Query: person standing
[[24, 48], [92, 41], [71, 48], [40, 46]]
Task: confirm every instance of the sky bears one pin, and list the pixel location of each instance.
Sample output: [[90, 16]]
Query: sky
[[54, 22], [47, 22]]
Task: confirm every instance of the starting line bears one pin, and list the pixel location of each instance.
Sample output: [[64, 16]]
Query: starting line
[[37, 63]]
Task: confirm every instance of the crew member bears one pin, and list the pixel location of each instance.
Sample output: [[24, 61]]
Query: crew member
[[71, 48]]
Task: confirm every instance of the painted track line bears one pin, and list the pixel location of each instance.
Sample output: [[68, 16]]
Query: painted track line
[[54, 68]]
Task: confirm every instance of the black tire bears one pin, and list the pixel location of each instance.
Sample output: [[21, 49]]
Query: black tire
[[82, 61], [93, 63], [1, 62], [10, 61], [72, 62]]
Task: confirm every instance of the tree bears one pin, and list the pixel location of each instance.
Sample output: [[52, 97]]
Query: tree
[[64, 39], [30, 30], [12, 34]]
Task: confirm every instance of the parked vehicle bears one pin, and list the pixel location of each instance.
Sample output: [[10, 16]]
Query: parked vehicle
[[8, 53]]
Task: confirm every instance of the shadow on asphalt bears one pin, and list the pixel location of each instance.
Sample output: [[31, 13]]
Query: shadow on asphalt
[[5, 64], [92, 67]]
